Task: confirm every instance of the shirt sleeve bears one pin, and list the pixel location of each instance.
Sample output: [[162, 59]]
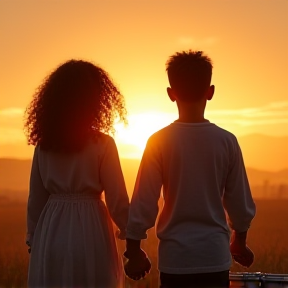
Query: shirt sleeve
[[38, 196], [144, 203], [116, 196], [238, 200]]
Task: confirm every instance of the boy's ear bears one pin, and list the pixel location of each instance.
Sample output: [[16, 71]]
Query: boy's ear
[[170, 93], [210, 92]]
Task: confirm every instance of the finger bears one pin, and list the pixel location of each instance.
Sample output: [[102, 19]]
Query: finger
[[244, 261], [131, 275], [147, 270], [239, 259], [135, 276], [248, 258], [127, 272], [249, 261], [236, 257]]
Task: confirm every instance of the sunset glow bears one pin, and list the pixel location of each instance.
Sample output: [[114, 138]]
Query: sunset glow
[[141, 126], [247, 42], [132, 40]]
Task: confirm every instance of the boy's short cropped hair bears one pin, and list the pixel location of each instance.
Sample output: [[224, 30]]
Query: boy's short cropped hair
[[189, 73]]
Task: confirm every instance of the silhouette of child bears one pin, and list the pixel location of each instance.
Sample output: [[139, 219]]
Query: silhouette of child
[[69, 226], [200, 168]]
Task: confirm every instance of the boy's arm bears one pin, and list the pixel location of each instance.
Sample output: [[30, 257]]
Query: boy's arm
[[240, 207], [143, 211], [144, 203], [37, 199], [237, 199]]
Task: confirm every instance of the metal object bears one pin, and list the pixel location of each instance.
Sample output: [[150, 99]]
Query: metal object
[[258, 279]]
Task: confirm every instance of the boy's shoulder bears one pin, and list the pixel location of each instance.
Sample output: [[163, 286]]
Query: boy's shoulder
[[163, 131], [208, 126], [223, 135], [173, 131], [224, 132]]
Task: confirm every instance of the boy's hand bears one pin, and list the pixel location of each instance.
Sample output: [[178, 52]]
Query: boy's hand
[[245, 258], [241, 253], [138, 263]]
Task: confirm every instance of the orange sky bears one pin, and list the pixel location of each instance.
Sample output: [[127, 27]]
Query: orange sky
[[246, 39]]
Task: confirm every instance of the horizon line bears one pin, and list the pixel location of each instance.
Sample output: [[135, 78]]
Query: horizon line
[[139, 159]]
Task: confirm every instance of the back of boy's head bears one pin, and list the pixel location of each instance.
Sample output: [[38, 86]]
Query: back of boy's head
[[189, 73]]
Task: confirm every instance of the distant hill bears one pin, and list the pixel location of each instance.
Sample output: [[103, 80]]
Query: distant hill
[[260, 177], [14, 175], [261, 152], [19, 150]]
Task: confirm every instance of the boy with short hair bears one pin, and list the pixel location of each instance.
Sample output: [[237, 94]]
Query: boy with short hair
[[201, 169]]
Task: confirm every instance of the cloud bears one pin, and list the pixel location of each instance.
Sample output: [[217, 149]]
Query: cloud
[[273, 113], [11, 125], [11, 112], [207, 41], [10, 135]]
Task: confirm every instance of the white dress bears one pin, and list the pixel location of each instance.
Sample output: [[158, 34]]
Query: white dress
[[68, 225]]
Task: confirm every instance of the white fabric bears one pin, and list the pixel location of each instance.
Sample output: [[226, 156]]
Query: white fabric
[[200, 168], [69, 226]]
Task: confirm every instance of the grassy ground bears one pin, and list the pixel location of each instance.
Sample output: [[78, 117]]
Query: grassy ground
[[268, 238]]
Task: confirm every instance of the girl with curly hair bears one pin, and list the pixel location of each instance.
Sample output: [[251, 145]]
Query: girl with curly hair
[[69, 228]]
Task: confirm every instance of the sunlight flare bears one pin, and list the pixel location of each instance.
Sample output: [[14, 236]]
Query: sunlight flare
[[140, 127]]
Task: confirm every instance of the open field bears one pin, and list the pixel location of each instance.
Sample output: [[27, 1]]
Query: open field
[[268, 238]]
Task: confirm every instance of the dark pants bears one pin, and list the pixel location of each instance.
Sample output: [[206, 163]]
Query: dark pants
[[211, 280]]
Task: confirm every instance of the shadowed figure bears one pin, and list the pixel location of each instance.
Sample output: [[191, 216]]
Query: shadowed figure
[[200, 168], [75, 162]]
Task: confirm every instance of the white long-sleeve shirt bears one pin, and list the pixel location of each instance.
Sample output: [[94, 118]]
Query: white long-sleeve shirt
[[201, 170]]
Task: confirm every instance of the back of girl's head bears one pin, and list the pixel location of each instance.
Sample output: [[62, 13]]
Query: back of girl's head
[[189, 73], [74, 103]]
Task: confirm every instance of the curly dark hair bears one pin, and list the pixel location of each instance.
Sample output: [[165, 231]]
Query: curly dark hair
[[77, 101], [189, 73]]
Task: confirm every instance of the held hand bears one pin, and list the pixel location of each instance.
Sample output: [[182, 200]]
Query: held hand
[[242, 254], [138, 265]]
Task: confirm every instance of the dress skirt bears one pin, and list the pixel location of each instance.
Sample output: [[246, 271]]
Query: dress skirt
[[74, 245]]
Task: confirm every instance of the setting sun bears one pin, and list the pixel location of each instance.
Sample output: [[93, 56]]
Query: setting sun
[[140, 127]]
